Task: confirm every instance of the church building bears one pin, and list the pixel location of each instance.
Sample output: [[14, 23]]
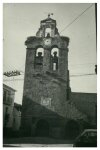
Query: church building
[[47, 109]]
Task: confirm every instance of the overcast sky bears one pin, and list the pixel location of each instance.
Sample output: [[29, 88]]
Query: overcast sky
[[23, 20]]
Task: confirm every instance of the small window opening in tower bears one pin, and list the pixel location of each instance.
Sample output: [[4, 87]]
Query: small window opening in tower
[[40, 50], [54, 56], [39, 58], [47, 32], [55, 50]]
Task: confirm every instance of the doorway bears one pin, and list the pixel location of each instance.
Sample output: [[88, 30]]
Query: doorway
[[42, 128]]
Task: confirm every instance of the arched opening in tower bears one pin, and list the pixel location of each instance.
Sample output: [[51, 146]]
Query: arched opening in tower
[[72, 129], [39, 58], [42, 128], [48, 32], [54, 56], [40, 50]]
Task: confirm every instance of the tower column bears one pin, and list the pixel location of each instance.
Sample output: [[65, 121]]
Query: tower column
[[46, 60]]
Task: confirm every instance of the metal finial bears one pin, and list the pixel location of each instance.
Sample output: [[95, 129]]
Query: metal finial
[[50, 14]]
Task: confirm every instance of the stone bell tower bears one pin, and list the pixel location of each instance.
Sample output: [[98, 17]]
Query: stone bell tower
[[46, 83]]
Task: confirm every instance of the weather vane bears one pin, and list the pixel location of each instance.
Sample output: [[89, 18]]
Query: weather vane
[[50, 14]]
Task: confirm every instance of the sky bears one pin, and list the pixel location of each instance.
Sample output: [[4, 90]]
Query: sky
[[23, 20]]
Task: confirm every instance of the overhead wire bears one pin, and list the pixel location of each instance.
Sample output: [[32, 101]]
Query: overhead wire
[[82, 75], [76, 18], [91, 63], [73, 75], [70, 65]]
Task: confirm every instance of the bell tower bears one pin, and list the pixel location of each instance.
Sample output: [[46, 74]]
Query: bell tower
[[46, 83]]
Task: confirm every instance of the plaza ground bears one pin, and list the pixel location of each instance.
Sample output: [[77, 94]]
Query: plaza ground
[[36, 142]]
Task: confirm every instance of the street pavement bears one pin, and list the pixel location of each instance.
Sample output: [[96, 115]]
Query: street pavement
[[36, 142], [38, 145]]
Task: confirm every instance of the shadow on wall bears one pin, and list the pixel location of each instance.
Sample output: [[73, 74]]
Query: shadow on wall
[[39, 120]]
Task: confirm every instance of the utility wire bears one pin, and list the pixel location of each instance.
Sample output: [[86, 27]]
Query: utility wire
[[82, 64], [70, 76], [76, 18], [82, 75], [70, 65]]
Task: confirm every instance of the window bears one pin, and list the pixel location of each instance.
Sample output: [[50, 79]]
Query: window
[[38, 51], [47, 31], [4, 96], [54, 56], [55, 50], [39, 58], [7, 97]]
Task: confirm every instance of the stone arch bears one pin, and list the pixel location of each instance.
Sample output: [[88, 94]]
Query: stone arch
[[47, 31], [55, 48], [72, 129], [39, 49], [39, 54], [54, 57], [42, 128]]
